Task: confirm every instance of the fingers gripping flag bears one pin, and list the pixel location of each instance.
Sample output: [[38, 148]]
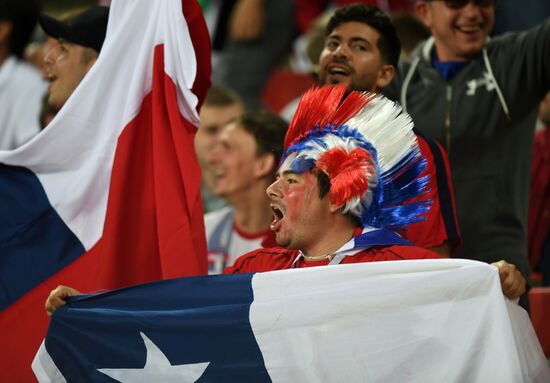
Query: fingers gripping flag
[[109, 193], [402, 321]]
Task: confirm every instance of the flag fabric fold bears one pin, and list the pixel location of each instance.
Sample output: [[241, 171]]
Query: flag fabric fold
[[109, 193], [402, 321]]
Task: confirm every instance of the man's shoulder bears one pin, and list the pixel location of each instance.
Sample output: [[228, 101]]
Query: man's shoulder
[[401, 252], [431, 150]]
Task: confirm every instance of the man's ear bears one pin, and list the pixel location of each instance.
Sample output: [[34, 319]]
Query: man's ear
[[424, 13], [265, 163], [385, 75], [333, 207]]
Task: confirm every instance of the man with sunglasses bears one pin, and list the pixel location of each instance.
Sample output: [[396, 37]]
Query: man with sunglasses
[[479, 98]]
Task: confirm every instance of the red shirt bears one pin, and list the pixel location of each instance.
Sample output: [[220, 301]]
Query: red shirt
[[539, 200], [440, 224], [278, 258]]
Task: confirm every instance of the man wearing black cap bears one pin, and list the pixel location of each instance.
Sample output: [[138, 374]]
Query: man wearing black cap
[[79, 41]]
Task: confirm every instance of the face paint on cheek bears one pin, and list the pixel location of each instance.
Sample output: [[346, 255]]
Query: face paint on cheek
[[298, 198]]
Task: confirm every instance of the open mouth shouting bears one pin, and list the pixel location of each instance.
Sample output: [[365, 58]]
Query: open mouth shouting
[[278, 216]]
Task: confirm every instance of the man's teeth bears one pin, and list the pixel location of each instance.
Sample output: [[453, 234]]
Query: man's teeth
[[474, 28], [338, 72]]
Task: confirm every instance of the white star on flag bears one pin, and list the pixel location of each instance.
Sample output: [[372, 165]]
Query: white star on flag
[[157, 368]]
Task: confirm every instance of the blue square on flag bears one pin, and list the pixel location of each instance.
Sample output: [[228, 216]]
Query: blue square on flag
[[188, 328]]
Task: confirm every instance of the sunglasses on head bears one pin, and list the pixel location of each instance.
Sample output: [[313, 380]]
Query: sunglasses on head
[[457, 4]]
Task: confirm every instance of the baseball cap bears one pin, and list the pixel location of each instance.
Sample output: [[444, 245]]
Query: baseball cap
[[87, 29]]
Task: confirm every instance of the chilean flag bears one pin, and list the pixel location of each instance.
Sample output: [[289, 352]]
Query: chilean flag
[[109, 193], [401, 321]]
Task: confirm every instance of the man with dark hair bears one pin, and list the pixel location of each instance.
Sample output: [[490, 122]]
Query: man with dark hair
[[362, 50], [243, 161], [220, 106], [21, 85], [79, 42], [388, 42]]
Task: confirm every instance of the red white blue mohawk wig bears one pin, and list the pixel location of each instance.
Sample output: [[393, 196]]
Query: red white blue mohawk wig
[[366, 146]]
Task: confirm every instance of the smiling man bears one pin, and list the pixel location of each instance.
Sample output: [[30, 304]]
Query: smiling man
[[79, 41], [479, 98], [220, 106], [243, 163]]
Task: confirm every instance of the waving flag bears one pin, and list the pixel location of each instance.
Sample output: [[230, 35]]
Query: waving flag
[[403, 321], [109, 193]]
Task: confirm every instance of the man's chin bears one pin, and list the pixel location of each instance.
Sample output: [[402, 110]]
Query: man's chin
[[282, 242], [339, 81]]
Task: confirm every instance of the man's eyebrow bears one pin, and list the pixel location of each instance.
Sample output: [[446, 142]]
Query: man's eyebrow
[[360, 39], [286, 172]]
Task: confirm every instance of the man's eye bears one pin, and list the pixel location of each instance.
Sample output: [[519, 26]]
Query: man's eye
[[332, 45], [358, 47], [291, 180]]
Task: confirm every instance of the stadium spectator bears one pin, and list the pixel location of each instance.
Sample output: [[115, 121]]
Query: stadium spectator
[[479, 98], [220, 106], [79, 41], [243, 161]]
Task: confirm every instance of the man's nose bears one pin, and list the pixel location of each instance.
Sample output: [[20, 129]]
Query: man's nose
[[471, 9], [273, 190], [213, 154], [342, 51], [52, 54], [48, 57]]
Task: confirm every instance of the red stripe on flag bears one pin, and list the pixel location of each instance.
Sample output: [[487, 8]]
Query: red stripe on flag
[[157, 170], [153, 229]]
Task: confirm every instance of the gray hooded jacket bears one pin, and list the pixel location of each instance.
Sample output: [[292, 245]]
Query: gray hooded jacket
[[485, 119]]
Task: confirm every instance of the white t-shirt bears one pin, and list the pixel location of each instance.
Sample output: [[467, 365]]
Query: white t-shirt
[[226, 242], [21, 92]]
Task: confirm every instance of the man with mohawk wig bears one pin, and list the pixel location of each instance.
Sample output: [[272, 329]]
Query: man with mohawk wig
[[349, 176], [349, 166]]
